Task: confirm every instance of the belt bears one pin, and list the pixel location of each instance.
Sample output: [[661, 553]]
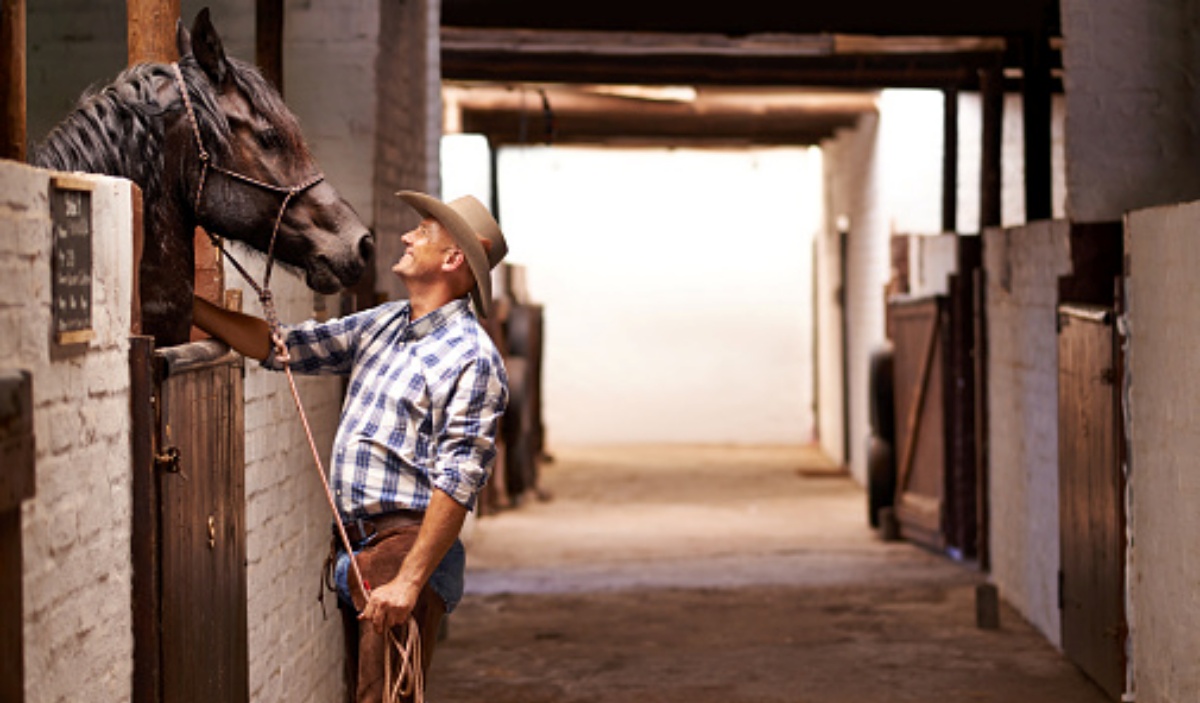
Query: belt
[[362, 531]]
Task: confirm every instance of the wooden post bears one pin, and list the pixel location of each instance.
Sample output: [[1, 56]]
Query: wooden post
[[1035, 90], [950, 161], [268, 40], [151, 30], [991, 88], [12, 80]]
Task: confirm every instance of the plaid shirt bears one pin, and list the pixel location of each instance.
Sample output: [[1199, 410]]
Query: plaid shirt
[[422, 408]]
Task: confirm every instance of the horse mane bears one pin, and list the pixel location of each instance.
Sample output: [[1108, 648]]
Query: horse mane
[[118, 130]]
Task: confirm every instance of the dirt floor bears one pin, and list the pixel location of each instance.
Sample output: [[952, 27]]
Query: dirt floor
[[705, 575]]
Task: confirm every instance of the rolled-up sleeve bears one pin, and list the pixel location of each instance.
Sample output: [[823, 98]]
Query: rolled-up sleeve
[[321, 347], [467, 443]]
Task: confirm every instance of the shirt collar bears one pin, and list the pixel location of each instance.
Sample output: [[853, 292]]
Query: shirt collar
[[443, 316]]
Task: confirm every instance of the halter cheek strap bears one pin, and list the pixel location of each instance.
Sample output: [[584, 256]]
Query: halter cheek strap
[[206, 163]]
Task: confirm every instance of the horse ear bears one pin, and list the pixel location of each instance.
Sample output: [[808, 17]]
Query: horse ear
[[209, 52], [183, 40]]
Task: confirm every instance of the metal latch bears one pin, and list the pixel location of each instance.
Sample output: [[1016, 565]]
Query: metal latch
[[168, 460]]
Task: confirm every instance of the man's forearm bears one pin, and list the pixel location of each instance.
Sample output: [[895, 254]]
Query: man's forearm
[[249, 335], [442, 524]]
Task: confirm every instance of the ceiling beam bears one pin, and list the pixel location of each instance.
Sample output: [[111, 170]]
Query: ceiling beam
[[745, 17]]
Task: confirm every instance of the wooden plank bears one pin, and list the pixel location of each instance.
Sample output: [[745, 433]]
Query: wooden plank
[[991, 88], [950, 160], [12, 658], [1035, 94], [1091, 498], [268, 40], [12, 80], [151, 30], [912, 423], [145, 538]]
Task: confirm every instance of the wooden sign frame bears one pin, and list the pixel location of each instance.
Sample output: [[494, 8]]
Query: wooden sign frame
[[71, 260]]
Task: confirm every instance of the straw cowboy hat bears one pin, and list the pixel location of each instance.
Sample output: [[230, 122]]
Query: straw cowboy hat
[[469, 222]]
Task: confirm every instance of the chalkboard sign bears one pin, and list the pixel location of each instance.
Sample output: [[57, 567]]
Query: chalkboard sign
[[71, 264]]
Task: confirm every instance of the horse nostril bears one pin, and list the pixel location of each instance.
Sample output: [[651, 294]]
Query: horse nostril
[[366, 247]]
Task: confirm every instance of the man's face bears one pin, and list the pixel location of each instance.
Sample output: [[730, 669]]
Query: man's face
[[426, 248]]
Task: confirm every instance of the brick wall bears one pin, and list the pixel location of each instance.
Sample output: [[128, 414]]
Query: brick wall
[[1022, 266], [76, 530]]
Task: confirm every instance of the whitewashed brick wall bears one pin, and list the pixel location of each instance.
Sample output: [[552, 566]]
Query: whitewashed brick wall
[[1163, 392], [1130, 76], [76, 530], [1022, 266]]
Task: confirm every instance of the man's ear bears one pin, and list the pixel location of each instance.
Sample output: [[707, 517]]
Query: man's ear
[[454, 259]]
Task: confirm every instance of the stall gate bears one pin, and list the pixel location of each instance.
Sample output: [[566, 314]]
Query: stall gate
[[190, 630], [1091, 496]]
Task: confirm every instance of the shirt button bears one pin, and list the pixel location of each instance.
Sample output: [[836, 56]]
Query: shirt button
[[339, 492]]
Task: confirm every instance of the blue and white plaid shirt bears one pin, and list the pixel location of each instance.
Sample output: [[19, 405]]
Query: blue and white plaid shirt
[[422, 408]]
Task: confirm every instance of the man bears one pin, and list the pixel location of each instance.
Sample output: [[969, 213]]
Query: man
[[416, 437]]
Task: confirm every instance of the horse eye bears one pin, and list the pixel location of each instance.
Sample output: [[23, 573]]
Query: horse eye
[[269, 139]]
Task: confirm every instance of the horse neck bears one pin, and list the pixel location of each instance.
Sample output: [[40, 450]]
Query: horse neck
[[117, 131]]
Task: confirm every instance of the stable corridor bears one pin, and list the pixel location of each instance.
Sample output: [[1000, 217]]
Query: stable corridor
[[723, 574]]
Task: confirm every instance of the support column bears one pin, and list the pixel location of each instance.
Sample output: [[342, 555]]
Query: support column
[[950, 161], [12, 80], [268, 40], [991, 88], [1035, 93], [151, 31]]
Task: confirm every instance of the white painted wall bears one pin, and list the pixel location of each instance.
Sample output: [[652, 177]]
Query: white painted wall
[[677, 290], [1022, 266], [1130, 78], [1163, 385], [76, 530]]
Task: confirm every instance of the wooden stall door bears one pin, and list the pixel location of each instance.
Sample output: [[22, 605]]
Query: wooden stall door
[[190, 615], [917, 336], [1091, 497]]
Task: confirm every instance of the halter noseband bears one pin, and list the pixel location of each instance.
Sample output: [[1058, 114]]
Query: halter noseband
[[206, 163]]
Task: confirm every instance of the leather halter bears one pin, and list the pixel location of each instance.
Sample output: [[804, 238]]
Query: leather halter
[[206, 163]]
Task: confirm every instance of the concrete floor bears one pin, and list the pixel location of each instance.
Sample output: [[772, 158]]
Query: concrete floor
[[700, 575]]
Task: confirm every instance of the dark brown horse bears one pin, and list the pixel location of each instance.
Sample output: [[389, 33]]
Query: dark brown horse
[[140, 127]]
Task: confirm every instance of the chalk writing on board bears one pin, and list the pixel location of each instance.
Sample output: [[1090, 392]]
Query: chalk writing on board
[[71, 261]]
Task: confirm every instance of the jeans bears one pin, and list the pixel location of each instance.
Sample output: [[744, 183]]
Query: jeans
[[446, 580]]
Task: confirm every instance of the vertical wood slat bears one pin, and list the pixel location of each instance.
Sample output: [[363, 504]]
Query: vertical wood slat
[[268, 40], [991, 87], [145, 538], [950, 161], [12, 80], [12, 658], [1035, 94], [151, 30], [1091, 498]]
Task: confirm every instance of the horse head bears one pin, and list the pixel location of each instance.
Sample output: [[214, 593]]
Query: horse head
[[262, 185]]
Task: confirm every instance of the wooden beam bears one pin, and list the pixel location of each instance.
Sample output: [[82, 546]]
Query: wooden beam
[[879, 17], [151, 30], [950, 161], [12, 80], [991, 86], [1035, 91], [268, 40]]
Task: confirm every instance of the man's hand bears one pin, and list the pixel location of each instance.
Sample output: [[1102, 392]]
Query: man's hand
[[390, 605]]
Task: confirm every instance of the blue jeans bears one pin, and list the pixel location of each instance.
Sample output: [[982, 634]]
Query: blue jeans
[[446, 581]]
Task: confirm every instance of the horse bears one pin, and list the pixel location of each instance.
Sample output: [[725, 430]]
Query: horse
[[211, 143]]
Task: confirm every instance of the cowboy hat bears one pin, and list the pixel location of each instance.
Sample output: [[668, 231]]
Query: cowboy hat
[[468, 222]]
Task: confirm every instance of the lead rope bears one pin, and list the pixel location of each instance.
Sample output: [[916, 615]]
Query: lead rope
[[410, 680]]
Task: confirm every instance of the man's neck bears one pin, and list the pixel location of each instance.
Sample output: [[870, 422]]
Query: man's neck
[[423, 301]]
